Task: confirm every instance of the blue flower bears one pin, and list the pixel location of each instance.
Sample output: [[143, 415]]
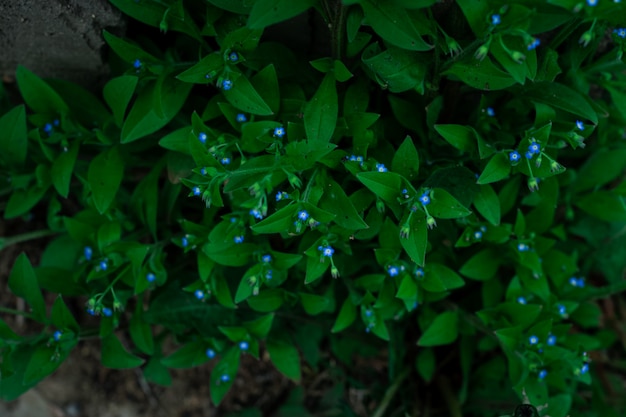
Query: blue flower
[[577, 282], [225, 378], [256, 214], [551, 341], [225, 160], [244, 345], [56, 122], [514, 156], [203, 171], [621, 32], [534, 147], [233, 56], [150, 277], [592, 3], [424, 199], [543, 373], [281, 195], [107, 312], [491, 112], [196, 190], [57, 335], [241, 118], [210, 353], [584, 369], [368, 313], [393, 271], [91, 311], [269, 274], [522, 247], [521, 300], [202, 137], [534, 44], [104, 265], [528, 155], [381, 168], [184, 242], [533, 340], [199, 294], [478, 235], [227, 85], [238, 239], [279, 132], [419, 273], [580, 125], [88, 252], [266, 258], [137, 63], [562, 309], [303, 215], [495, 19], [326, 251], [48, 128]]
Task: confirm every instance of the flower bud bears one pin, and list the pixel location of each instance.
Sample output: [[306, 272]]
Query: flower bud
[[430, 222]]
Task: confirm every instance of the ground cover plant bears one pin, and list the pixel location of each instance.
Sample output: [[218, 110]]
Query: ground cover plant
[[439, 181]]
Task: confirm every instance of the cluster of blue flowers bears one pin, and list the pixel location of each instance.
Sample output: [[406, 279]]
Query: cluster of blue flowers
[[281, 195], [256, 213], [533, 44], [577, 282], [356, 158]]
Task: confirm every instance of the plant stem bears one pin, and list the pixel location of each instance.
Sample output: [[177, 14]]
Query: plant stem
[[390, 393], [4, 243], [16, 312]]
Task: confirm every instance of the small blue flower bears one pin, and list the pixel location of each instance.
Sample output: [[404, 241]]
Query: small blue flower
[[225, 160], [592, 3], [56, 122], [57, 335], [580, 125], [577, 282], [424, 199], [184, 242], [551, 341], [303, 215], [256, 214], [528, 155], [91, 311], [381, 168], [48, 128], [621, 32], [326, 251], [534, 44], [227, 85], [244, 345], [534, 147], [107, 312], [491, 112], [543, 373], [203, 171], [281, 195], [495, 19], [522, 247], [393, 271], [199, 294], [478, 235], [521, 300], [137, 63], [269, 274], [238, 239], [514, 156], [279, 132], [196, 190], [88, 252], [150, 277], [266, 258], [225, 378], [104, 265], [368, 313], [202, 137], [533, 340], [210, 353], [241, 118], [584, 369], [562, 309], [419, 273], [233, 56]]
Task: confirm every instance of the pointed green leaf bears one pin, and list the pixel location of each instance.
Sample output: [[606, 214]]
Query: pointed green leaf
[[115, 356], [23, 283], [442, 331], [320, 114]]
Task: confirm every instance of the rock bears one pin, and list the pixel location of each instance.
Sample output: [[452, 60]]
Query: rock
[[56, 39]]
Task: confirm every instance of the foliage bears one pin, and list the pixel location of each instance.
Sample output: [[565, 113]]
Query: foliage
[[445, 180]]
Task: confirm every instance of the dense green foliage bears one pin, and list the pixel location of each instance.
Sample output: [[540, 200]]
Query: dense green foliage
[[441, 179]]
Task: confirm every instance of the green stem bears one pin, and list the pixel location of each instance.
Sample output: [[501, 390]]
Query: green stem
[[6, 242], [390, 393], [338, 29], [16, 312]]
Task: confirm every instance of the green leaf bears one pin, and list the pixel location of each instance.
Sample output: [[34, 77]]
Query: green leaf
[[313, 304], [442, 331], [280, 221], [603, 166], [444, 206], [38, 95], [23, 283], [211, 65], [406, 160], [482, 75], [394, 25], [603, 205], [178, 140], [115, 356], [426, 363], [320, 113], [117, 94], [561, 97], [496, 169], [231, 255], [267, 12], [488, 204], [189, 356], [45, 360], [228, 365], [261, 326], [234, 6], [346, 316], [475, 14], [141, 332], [266, 84], [482, 266], [14, 140], [62, 169], [336, 201], [461, 137], [440, 278], [126, 50], [416, 243], [105, 177], [243, 96], [268, 300], [386, 185], [396, 69], [285, 358], [61, 316]]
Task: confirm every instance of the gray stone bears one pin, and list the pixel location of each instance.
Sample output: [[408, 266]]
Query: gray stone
[[56, 38]]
